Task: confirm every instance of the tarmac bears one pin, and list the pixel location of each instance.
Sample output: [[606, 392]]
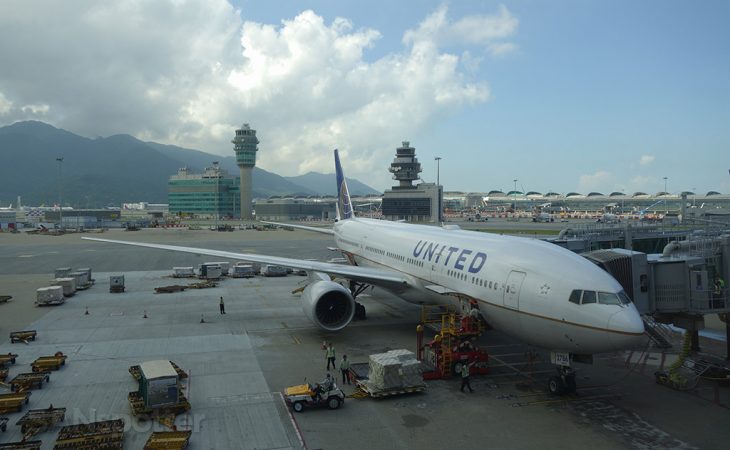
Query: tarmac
[[240, 362]]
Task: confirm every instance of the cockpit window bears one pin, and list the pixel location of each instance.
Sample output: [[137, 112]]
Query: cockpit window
[[625, 300], [589, 297], [575, 296], [608, 298], [603, 298]]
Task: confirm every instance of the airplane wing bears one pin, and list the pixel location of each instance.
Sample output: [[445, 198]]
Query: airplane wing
[[303, 227], [367, 275]]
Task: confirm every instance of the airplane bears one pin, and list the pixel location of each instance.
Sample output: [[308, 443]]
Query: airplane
[[535, 291], [543, 217], [608, 218]]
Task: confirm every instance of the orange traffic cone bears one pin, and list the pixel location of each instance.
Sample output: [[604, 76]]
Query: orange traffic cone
[[145, 314]]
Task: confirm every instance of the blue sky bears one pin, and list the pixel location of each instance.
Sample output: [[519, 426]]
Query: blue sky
[[564, 96]]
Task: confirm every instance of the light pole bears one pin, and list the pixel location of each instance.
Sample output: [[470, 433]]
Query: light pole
[[60, 192], [217, 192], [514, 192], [438, 187], [665, 185]]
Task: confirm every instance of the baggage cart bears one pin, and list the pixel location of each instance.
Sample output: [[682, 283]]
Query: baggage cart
[[38, 420], [365, 389], [23, 336], [136, 403], [168, 440], [106, 435], [13, 401], [47, 363], [9, 358], [25, 445], [169, 289], [27, 381]]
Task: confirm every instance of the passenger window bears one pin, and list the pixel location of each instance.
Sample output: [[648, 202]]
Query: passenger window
[[589, 297], [607, 298], [575, 296]]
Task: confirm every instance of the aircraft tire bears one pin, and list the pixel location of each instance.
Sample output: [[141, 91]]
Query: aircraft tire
[[555, 385]]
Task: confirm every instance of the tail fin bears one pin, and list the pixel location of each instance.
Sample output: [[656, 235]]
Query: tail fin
[[343, 194]]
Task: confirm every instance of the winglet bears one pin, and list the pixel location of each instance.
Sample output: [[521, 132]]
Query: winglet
[[343, 194]]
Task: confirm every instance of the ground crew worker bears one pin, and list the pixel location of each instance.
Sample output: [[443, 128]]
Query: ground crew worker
[[329, 353], [465, 377], [345, 369], [222, 306]]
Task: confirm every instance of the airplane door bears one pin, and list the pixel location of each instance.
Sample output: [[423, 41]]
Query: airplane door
[[512, 290]]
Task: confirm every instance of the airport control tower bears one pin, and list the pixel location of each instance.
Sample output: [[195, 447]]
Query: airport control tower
[[245, 145], [405, 166]]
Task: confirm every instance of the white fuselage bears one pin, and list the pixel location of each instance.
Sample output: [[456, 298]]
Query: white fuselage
[[522, 285]]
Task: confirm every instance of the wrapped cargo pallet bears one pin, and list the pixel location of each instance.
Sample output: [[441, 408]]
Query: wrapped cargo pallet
[[68, 285], [88, 271], [395, 369], [62, 272], [243, 271], [52, 295], [183, 272], [82, 279], [209, 271]]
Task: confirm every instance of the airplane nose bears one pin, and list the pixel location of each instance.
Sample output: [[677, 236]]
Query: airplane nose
[[627, 327]]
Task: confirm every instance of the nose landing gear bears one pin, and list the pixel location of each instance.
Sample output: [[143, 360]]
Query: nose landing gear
[[564, 382]]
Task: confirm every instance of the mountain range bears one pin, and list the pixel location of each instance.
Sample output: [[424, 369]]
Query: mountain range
[[116, 169]]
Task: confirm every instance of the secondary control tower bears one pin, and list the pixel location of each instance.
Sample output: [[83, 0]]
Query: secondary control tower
[[245, 145]]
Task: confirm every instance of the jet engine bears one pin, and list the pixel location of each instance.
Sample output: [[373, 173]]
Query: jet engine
[[328, 304]]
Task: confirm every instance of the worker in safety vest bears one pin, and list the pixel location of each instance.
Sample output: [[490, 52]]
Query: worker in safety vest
[[465, 377], [330, 355], [345, 369]]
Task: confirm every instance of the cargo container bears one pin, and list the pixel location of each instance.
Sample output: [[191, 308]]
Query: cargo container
[[158, 384], [116, 283], [243, 271], [209, 271], [68, 285], [270, 270], [225, 265], [52, 295]]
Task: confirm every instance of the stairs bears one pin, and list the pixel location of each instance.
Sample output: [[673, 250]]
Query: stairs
[[658, 333]]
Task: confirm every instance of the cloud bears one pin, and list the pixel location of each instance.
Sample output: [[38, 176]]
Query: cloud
[[189, 73], [645, 160], [36, 109], [601, 180], [5, 105]]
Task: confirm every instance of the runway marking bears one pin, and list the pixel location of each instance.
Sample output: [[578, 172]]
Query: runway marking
[[296, 340], [25, 256]]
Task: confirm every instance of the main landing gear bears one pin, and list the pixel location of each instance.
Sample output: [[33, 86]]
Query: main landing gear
[[356, 289], [563, 382]]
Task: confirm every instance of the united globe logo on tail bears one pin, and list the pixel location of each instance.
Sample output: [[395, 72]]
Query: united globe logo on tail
[[343, 194]]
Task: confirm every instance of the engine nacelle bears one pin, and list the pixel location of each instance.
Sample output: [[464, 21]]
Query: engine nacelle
[[328, 304]]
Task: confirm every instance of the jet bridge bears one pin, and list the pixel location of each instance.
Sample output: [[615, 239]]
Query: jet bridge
[[679, 286]]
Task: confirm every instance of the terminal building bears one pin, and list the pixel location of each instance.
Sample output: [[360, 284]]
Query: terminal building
[[406, 201], [213, 193], [278, 209]]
